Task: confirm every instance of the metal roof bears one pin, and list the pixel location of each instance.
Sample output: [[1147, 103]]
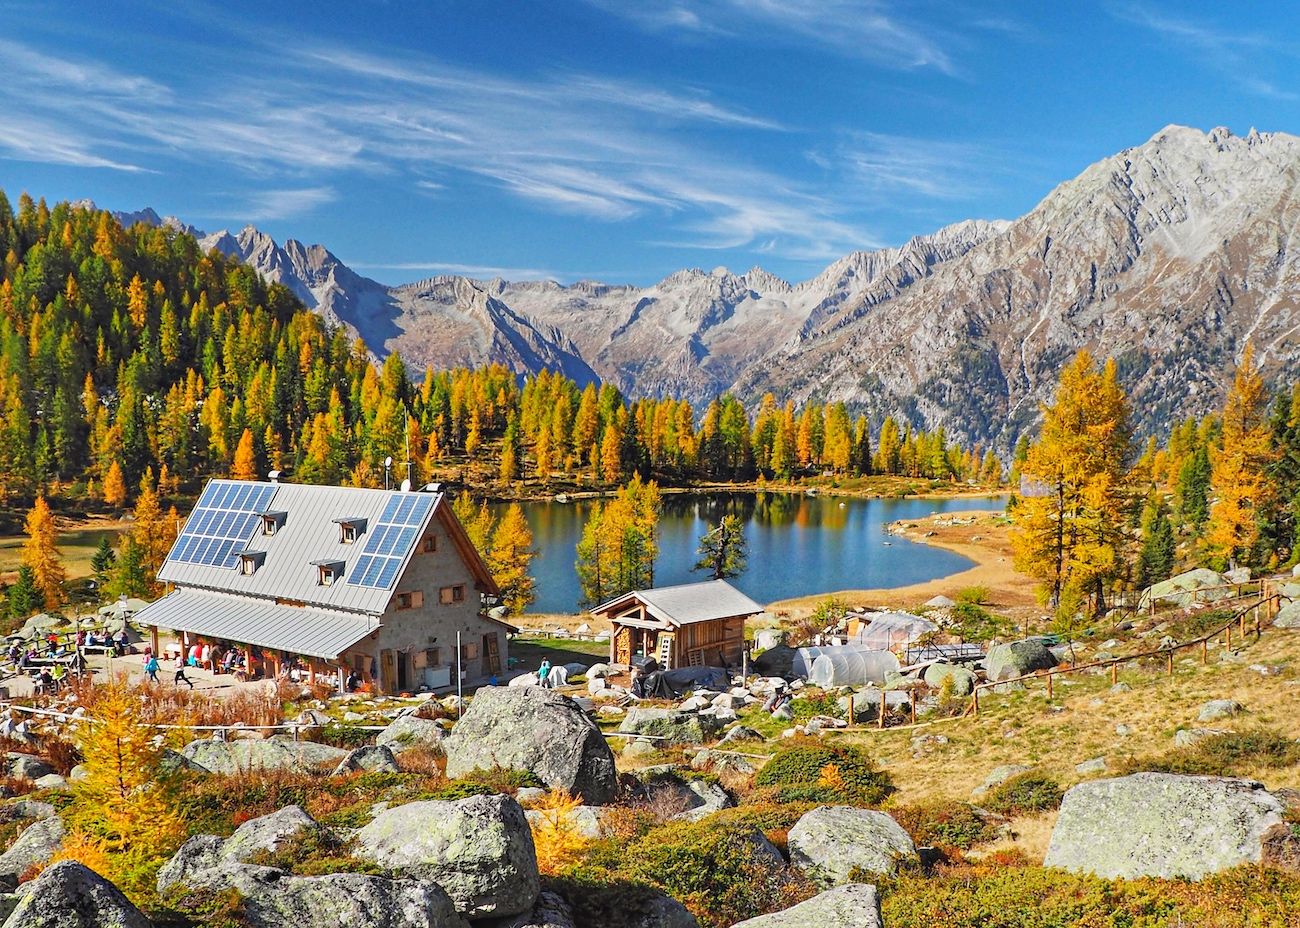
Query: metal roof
[[307, 535], [689, 602], [260, 622]]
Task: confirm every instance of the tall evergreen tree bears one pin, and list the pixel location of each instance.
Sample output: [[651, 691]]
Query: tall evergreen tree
[[723, 549]]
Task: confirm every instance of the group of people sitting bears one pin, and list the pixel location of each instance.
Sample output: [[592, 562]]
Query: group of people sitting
[[102, 639]]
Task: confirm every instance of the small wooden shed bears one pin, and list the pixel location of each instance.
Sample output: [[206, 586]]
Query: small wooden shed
[[692, 625]]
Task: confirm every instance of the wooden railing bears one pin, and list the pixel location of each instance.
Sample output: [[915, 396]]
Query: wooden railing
[[1246, 617]]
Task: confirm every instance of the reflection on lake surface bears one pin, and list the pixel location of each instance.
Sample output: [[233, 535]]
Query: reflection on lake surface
[[798, 545]]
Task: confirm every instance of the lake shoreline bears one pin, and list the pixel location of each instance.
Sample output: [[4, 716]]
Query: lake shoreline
[[986, 542], [493, 494]]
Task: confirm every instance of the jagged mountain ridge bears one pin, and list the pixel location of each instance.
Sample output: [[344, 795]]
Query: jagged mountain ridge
[[1167, 256]]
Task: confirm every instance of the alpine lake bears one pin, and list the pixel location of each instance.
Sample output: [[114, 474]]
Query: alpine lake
[[798, 545]]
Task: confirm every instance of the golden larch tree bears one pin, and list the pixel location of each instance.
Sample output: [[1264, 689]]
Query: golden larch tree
[[510, 557], [1238, 463], [1069, 523], [41, 554], [115, 485], [126, 816], [244, 466]]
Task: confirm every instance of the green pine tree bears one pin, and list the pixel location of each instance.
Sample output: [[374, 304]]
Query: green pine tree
[[130, 577], [723, 550], [24, 597], [1159, 548], [101, 562], [1193, 490]]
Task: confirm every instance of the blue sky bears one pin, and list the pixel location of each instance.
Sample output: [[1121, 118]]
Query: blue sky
[[611, 139]]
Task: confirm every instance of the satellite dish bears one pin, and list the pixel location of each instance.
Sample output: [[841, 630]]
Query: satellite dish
[[406, 486], [388, 461]]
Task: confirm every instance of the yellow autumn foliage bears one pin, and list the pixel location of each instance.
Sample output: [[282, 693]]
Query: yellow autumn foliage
[[556, 837]]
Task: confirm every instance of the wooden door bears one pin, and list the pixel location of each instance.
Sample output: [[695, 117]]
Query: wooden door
[[387, 670], [491, 654]]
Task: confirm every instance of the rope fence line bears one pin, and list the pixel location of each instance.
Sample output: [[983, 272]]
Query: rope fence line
[[1269, 602]]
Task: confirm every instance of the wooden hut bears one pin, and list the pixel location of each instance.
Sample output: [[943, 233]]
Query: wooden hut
[[692, 625]]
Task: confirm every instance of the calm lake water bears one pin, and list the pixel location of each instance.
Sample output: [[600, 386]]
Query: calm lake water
[[798, 545]]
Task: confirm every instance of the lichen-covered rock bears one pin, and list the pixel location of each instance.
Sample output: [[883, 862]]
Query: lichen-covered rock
[[1289, 615], [371, 758], [411, 731], [1162, 825], [1017, 658], [27, 766], [271, 898], [661, 911], [538, 730], [479, 849], [854, 905], [1218, 709], [830, 842], [550, 911], [39, 842], [963, 680], [70, 895], [671, 726], [269, 833], [584, 820], [278, 753]]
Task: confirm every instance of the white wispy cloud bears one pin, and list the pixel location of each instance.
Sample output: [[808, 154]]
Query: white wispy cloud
[[875, 30], [935, 169], [565, 142], [1237, 55]]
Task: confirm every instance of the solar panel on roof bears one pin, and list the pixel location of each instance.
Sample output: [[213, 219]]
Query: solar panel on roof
[[221, 524], [387, 544]]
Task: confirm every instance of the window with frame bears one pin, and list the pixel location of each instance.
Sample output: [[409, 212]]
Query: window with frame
[[327, 574], [412, 600], [347, 533], [452, 594], [430, 544], [469, 651]]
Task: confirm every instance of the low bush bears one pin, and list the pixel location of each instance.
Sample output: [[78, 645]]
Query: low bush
[[315, 854], [344, 736], [720, 870], [975, 595], [946, 824], [815, 771], [1222, 755], [1031, 791], [992, 895]]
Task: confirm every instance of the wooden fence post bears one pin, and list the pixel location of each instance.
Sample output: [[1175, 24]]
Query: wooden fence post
[[912, 703], [1205, 651], [1049, 685], [1227, 641], [1170, 661], [1114, 674], [975, 702]]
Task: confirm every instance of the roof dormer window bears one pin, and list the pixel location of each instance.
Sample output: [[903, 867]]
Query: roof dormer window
[[249, 561], [350, 530], [327, 572], [272, 522]]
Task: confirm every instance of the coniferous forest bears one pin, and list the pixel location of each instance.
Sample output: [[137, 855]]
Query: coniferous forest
[[129, 352]]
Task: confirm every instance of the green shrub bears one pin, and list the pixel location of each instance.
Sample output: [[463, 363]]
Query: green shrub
[[975, 595], [1031, 791], [721, 871], [809, 704], [1222, 755], [945, 824], [344, 736], [971, 622], [314, 854], [990, 896], [801, 770]]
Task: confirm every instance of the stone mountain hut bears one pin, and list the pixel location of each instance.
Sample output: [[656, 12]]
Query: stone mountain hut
[[344, 579]]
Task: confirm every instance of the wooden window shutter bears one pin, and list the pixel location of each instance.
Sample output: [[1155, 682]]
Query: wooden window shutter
[[417, 599]]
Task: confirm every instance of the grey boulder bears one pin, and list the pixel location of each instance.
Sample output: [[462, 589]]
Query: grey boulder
[[963, 680], [269, 833], [27, 766], [670, 726], [854, 905], [374, 758], [1017, 658], [278, 753], [997, 776], [71, 895], [550, 911], [411, 731], [1289, 615], [538, 730], [1162, 825], [479, 849], [1218, 709], [830, 842], [37, 844]]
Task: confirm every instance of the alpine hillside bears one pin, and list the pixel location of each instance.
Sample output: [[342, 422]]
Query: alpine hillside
[[1168, 256]]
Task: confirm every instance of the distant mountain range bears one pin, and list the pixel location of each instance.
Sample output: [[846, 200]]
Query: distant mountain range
[[1168, 256]]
